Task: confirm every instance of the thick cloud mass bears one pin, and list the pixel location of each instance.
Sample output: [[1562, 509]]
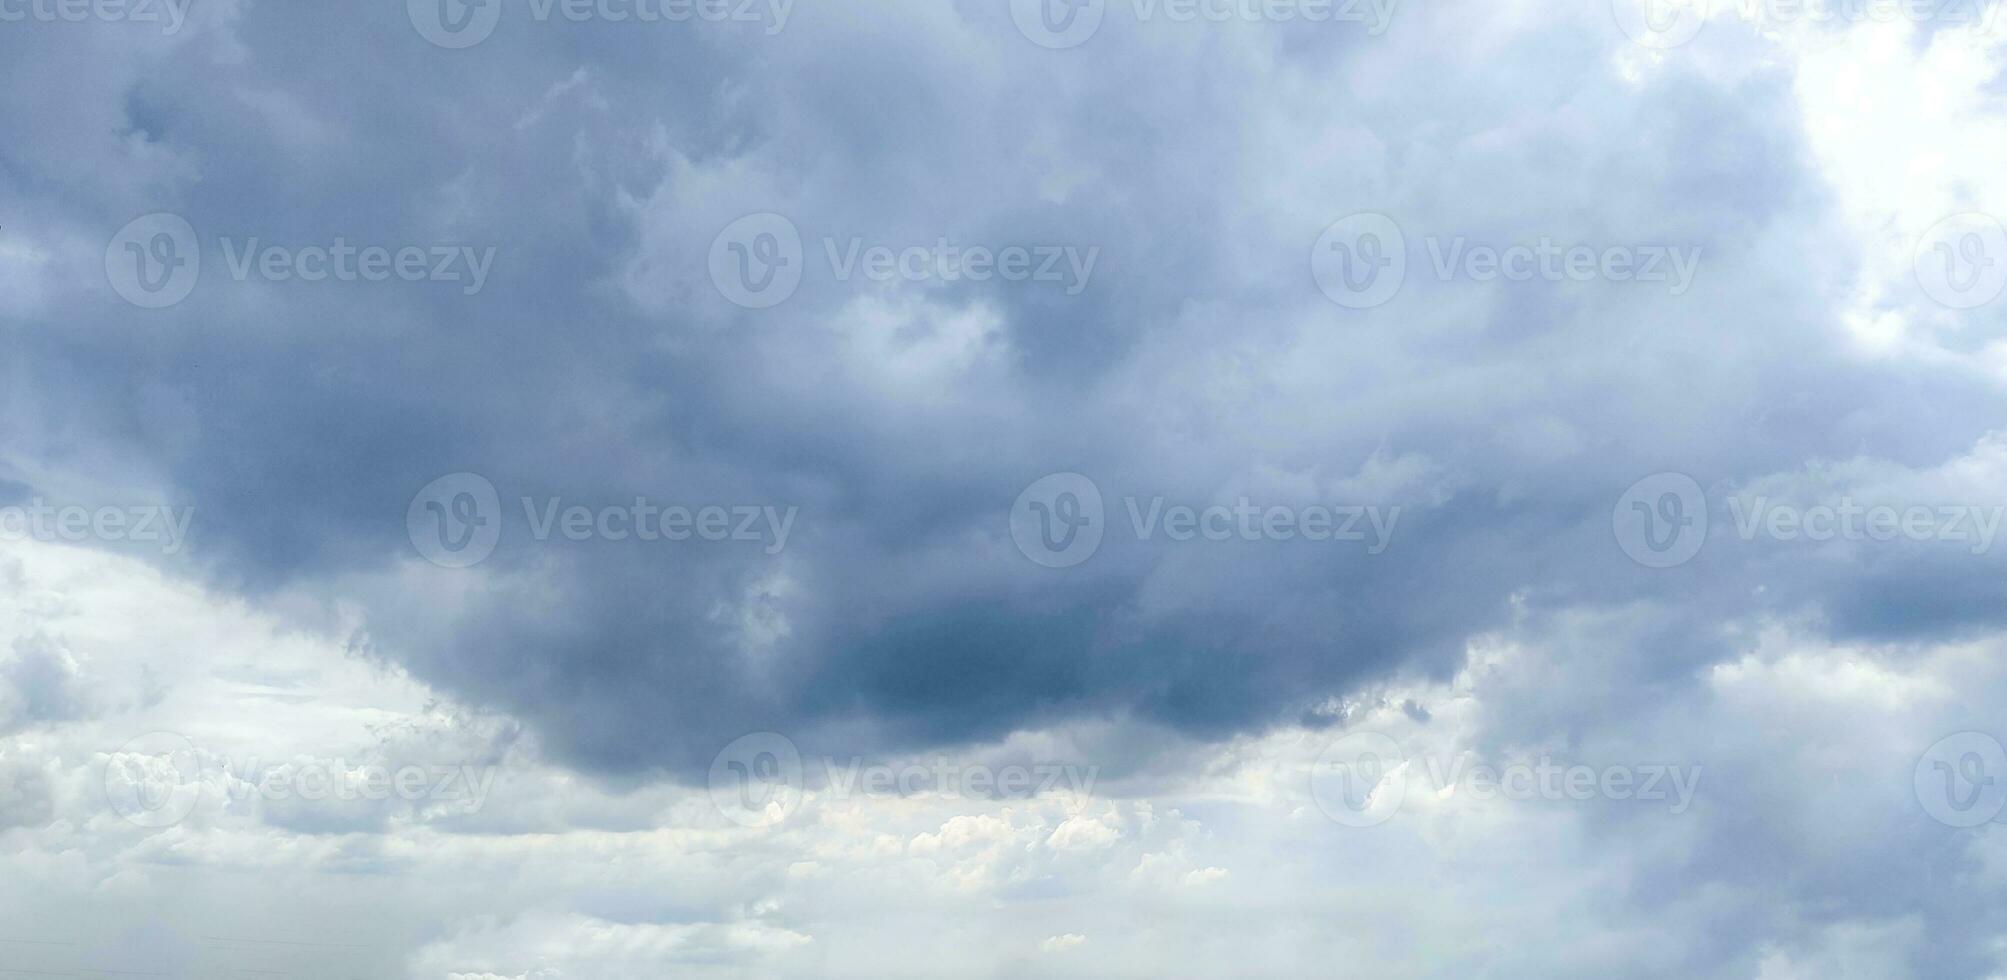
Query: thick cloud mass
[[1201, 362]]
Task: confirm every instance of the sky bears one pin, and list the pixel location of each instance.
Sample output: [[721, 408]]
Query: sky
[[605, 489]]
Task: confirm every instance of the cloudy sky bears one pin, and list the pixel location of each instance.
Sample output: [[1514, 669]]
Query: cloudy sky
[[623, 489]]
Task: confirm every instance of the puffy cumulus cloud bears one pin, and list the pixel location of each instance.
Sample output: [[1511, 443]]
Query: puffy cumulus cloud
[[41, 682], [25, 800]]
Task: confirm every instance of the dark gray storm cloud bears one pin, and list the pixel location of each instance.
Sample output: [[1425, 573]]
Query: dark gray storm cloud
[[1199, 363]]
